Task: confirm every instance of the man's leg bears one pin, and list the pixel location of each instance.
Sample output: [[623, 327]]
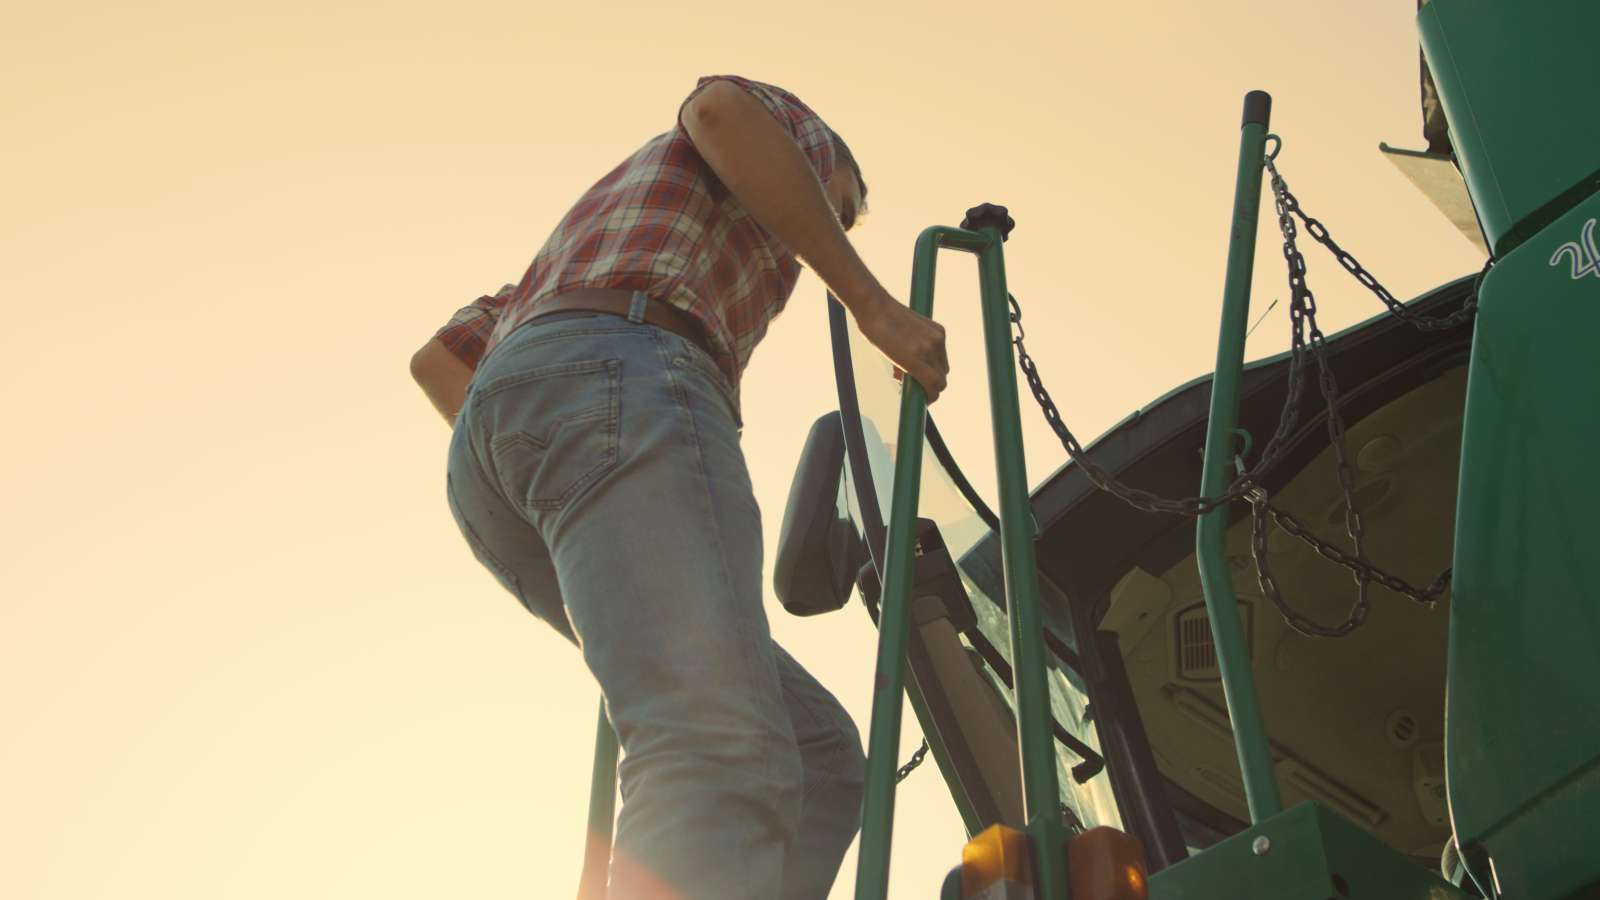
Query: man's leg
[[619, 446], [835, 769], [660, 567]]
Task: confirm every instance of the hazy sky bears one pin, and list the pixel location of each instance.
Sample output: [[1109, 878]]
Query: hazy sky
[[244, 652]]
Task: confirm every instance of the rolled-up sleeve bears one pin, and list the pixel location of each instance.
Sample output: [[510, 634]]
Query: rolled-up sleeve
[[466, 335], [810, 133]]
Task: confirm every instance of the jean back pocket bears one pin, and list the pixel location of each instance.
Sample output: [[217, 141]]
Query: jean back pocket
[[552, 431]]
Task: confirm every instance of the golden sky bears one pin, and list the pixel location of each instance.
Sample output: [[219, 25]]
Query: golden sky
[[244, 652]]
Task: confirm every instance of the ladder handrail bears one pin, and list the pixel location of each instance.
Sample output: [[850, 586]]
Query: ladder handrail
[[602, 812], [1238, 681], [1041, 790]]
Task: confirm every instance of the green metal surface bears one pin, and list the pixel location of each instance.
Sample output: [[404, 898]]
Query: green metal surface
[[1041, 792], [894, 617], [1233, 657], [1522, 731], [1517, 80], [1040, 788], [602, 811], [1305, 853]]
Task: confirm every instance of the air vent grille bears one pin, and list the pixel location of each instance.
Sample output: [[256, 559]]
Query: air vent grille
[[1197, 651]]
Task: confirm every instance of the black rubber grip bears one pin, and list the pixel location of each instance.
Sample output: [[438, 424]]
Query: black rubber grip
[[989, 215], [1257, 108]]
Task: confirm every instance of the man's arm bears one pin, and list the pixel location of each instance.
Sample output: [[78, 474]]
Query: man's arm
[[443, 377], [444, 365], [758, 160]]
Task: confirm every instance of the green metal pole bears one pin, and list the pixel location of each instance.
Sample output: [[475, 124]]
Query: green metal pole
[[1238, 681], [894, 618], [1041, 793], [602, 812], [894, 621]]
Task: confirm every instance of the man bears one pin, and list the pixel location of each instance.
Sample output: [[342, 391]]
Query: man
[[595, 470]]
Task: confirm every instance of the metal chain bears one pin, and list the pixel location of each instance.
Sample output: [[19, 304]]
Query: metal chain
[[912, 763], [1296, 527], [1304, 331], [1319, 233], [1138, 498], [1302, 314], [1304, 336], [1070, 819]]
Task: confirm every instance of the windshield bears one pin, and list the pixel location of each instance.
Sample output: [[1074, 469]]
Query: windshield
[[976, 550]]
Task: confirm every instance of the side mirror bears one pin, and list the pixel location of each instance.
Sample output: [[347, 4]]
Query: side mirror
[[819, 549]]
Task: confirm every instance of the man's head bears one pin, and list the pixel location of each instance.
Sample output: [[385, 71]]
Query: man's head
[[847, 190]]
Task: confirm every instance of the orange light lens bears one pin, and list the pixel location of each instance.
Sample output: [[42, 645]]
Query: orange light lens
[[1106, 864], [998, 854]]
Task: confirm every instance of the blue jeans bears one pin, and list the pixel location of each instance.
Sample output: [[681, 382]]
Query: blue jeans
[[596, 471]]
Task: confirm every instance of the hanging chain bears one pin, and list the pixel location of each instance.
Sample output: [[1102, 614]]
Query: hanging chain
[[1304, 329], [1138, 498], [1304, 336], [1295, 527], [1319, 233], [912, 763]]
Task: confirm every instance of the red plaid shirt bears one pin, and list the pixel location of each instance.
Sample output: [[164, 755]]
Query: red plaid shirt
[[663, 223]]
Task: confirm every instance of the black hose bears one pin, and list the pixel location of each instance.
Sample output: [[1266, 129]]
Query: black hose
[[942, 454]]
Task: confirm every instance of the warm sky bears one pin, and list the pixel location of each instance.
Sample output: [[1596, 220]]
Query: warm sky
[[244, 652]]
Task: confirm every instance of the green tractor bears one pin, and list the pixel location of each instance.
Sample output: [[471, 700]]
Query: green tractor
[[1169, 632]]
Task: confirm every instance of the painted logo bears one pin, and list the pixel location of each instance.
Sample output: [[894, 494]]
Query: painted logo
[[1584, 255]]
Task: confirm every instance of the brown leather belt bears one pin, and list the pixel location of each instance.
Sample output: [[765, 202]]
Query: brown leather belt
[[619, 302]]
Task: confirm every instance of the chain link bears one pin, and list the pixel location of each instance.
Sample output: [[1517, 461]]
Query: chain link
[[1319, 233], [912, 763], [1304, 337], [1138, 498], [1305, 332], [1296, 527]]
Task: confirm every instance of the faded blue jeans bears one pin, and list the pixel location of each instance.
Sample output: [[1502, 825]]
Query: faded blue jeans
[[596, 471]]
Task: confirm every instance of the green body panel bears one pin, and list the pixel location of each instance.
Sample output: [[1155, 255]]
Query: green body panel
[[1238, 679], [1310, 854], [1518, 82], [1522, 726], [1041, 791]]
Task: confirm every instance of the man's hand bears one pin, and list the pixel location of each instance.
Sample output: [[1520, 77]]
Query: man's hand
[[443, 377], [913, 342], [761, 164]]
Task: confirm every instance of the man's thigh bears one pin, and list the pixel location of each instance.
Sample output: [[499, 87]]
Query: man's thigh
[[827, 736], [501, 538], [660, 568], [615, 449], [660, 560]]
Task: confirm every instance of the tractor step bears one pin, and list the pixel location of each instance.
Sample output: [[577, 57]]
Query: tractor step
[[1306, 853]]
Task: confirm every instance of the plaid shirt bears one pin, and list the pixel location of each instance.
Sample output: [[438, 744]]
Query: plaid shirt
[[662, 222]]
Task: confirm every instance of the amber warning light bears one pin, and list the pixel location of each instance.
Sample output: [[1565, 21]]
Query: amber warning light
[[1102, 864]]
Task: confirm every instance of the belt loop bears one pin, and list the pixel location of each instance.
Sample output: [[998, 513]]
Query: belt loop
[[636, 310]]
